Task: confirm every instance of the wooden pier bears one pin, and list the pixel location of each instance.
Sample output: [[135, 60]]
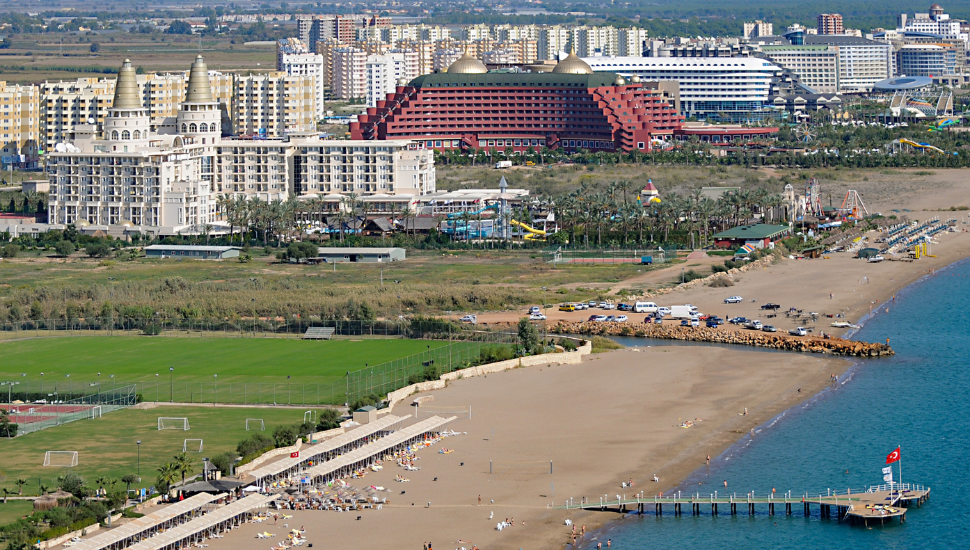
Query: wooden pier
[[872, 504]]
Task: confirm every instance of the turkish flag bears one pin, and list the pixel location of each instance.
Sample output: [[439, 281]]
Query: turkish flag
[[297, 454], [893, 456]]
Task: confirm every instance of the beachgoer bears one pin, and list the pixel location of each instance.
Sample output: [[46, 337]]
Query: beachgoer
[[745, 411], [479, 500], [425, 546], [725, 484], [599, 545], [772, 491], [609, 542], [708, 460]]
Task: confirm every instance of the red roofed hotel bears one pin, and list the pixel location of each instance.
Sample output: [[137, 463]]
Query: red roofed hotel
[[570, 108]]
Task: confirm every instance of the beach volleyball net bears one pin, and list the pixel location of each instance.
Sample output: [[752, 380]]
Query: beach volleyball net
[[50, 412], [427, 411]]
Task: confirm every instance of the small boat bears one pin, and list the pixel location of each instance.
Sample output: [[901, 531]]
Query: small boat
[[841, 324]]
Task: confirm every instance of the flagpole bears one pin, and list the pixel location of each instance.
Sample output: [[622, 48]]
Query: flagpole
[[900, 461]]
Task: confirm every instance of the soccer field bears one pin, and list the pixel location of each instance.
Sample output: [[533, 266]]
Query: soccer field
[[203, 370], [107, 446]]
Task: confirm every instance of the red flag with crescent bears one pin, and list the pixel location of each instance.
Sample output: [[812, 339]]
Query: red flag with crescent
[[893, 456]]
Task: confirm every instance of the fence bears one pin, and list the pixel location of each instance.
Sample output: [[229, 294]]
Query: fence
[[42, 410], [607, 255]]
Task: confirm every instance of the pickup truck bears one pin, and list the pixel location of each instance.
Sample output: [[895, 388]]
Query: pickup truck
[[771, 306], [753, 325], [800, 331]]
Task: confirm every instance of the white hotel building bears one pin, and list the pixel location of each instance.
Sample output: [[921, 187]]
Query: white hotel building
[[732, 89], [168, 179]]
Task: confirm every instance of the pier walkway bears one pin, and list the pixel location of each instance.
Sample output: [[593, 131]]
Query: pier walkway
[[877, 503]]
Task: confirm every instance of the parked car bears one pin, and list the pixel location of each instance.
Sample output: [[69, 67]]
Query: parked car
[[624, 307], [534, 309], [738, 320], [716, 319], [567, 307], [621, 318], [769, 328], [656, 320], [733, 300], [695, 322], [591, 303], [607, 305], [663, 310], [711, 324], [473, 319], [685, 323], [753, 325], [599, 318], [610, 318], [770, 305], [580, 306], [800, 331], [592, 318], [537, 317]]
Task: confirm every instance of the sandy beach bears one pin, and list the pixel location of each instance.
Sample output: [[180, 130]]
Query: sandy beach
[[616, 416]]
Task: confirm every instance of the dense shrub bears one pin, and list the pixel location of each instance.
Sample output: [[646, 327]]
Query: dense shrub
[[328, 419], [254, 444], [721, 282]]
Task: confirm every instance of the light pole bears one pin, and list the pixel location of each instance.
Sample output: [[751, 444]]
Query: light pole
[[10, 384], [171, 374], [156, 387], [253, 279], [138, 446], [215, 377]]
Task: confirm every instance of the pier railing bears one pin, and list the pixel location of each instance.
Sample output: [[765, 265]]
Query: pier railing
[[896, 487]]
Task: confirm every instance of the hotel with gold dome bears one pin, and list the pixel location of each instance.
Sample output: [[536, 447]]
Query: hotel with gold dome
[[572, 108]]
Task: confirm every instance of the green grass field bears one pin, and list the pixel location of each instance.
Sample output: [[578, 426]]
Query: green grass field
[[14, 509], [106, 446], [236, 370]]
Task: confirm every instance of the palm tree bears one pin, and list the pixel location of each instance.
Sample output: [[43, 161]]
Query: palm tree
[[407, 214], [167, 474], [44, 489], [6, 493], [128, 479], [20, 486], [101, 481], [183, 465]]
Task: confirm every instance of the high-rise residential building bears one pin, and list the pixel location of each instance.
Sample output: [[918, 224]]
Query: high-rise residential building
[[348, 80], [295, 59], [817, 66], [383, 73], [444, 59], [632, 42], [829, 23], [553, 40], [758, 28], [19, 125], [340, 27], [366, 168], [274, 104]]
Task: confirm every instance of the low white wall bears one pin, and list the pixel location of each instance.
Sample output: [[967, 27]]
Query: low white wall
[[44, 545], [268, 455], [567, 358]]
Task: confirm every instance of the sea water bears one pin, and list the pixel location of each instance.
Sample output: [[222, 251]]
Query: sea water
[[918, 400]]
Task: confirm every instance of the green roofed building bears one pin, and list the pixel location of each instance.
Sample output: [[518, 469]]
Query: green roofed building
[[758, 235]]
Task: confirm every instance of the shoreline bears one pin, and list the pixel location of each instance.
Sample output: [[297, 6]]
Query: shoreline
[[697, 476]]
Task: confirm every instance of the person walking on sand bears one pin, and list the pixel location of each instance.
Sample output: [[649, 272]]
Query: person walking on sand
[[479, 500], [708, 460], [425, 546]]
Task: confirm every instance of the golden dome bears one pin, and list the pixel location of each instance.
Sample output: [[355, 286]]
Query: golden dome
[[467, 64], [572, 65], [127, 95]]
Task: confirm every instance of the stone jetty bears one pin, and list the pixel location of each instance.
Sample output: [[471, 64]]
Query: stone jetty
[[723, 335]]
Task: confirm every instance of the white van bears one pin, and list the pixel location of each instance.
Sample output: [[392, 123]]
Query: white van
[[644, 307]]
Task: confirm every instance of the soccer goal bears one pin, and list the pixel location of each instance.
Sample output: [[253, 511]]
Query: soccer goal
[[173, 423], [443, 410], [189, 445], [310, 417], [65, 459], [255, 424], [96, 411]]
